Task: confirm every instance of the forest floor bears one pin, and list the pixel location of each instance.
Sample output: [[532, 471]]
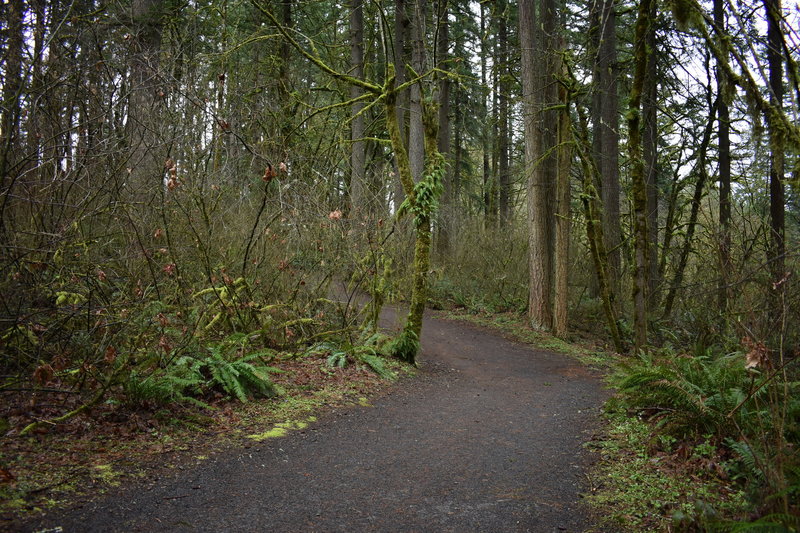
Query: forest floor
[[488, 436]]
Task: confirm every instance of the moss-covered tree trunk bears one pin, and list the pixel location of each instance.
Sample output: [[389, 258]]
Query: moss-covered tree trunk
[[593, 213], [421, 200], [641, 54], [776, 251]]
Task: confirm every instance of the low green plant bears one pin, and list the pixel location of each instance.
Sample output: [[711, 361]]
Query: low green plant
[[746, 409], [404, 347], [368, 351], [225, 367], [638, 493], [688, 395]]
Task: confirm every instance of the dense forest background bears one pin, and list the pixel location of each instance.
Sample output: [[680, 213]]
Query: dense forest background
[[190, 186]]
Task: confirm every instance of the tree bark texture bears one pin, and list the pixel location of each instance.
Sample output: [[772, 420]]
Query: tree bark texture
[[605, 118], [650, 153], [540, 96], [486, 136], [416, 133], [594, 230], [447, 209], [562, 230], [147, 157], [638, 179], [358, 153], [402, 24], [504, 131], [777, 247], [12, 90], [724, 162]]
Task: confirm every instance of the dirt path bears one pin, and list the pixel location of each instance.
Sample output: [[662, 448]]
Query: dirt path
[[488, 438]]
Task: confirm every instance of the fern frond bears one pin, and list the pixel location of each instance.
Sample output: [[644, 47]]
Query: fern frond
[[337, 359], [752, 459], [404, 347], [377, 364]]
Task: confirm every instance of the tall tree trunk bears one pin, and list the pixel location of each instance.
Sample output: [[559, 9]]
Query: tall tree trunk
[[358, 154], [221, 132], [594, 228], [402, 25], [538, 46], [10, 109], [447, 210], [605, 118], [777, 245], [641, 53], [724, 149], [493, 189], [407, 344], [486, 130], [147, 160], [650, 152], [562, 220], [503, 131], [416, 133]]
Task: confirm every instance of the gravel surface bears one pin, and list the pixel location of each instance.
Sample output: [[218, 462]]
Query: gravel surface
[[486, 438]]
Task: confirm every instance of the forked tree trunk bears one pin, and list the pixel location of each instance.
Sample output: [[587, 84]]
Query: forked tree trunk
[[409, 338]]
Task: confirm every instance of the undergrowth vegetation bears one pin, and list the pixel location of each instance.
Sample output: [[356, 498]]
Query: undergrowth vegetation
[[186, 299], [738, 413]]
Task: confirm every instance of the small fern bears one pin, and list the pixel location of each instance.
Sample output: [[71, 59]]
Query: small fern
[[377, 364], [190, 377], [750, 458], [365, 351], [404, 347], [236, 378], [337, 359], [175, 385]]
